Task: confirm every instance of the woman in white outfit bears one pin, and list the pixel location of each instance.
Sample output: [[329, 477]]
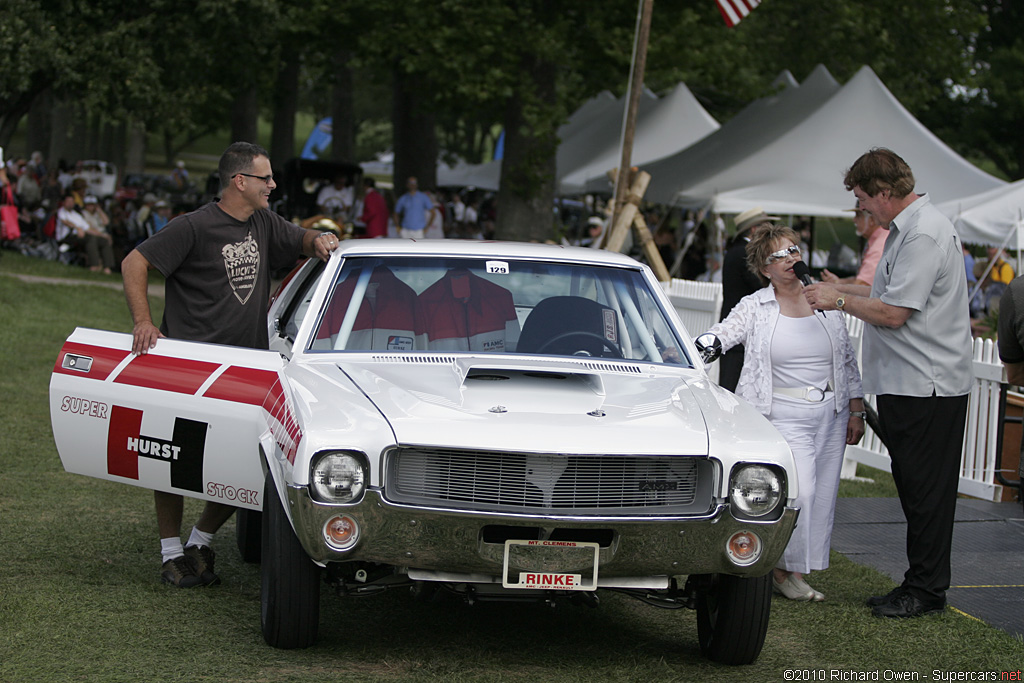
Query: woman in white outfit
[[801, 373]]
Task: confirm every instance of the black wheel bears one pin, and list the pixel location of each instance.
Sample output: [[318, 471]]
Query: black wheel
[[249, 534], [289, 581], [610, 345], [732, 617]]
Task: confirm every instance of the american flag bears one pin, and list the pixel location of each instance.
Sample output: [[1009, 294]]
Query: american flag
[[733, 11]]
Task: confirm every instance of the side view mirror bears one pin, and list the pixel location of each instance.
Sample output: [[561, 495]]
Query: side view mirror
[[709, 346]]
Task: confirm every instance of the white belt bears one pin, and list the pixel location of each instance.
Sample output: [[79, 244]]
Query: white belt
[[809, 394]]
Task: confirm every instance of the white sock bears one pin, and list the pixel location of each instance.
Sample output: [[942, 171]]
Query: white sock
[[198, 537], [170, 548]]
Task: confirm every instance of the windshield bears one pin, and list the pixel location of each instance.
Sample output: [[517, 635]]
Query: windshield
[[495, 306]]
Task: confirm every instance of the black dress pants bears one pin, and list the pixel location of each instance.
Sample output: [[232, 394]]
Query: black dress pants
[[925, 440]]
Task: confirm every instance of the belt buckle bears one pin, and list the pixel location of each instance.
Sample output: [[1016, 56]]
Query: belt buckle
[[813, 392]]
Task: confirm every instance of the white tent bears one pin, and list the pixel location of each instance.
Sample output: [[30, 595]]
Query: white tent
[[482, 176], [598, 114], [800, 172], [761, 122], [991, 217], [672, 124]]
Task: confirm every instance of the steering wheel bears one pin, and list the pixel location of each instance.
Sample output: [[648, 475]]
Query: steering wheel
[[610, 345]]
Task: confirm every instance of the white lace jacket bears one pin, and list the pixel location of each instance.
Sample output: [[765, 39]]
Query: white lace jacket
[[752, 323]]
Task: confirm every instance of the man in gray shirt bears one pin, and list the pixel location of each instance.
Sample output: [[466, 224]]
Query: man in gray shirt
[[216, 262], [917, 361]]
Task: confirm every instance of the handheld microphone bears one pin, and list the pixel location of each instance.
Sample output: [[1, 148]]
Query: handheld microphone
[[801, 270]]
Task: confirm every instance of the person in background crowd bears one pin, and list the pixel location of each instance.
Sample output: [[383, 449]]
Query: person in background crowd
[[972, 279], [336, 200], [95, 216], [1001, 272], [917, 352], [738, 282], [799, 371], [435, 223], [179, 176], [458, 216], [79, 188], [1011, 342], [28, 189], [412, 210], [158, 218], [76, 232], [37, 167], [471, 226], [714, 270], [375, 210], [210, 299], [868, 228]]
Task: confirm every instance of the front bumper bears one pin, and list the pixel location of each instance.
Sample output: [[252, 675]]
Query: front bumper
[[454, 540]]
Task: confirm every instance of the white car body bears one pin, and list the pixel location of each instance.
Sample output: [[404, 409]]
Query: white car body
[[212, 422]]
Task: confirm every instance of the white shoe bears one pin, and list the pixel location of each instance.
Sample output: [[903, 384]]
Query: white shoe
[[802, 585], [790, 589]]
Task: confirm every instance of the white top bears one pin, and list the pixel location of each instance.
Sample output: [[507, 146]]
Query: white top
[[801, 353], [67, 218], [336, 201]]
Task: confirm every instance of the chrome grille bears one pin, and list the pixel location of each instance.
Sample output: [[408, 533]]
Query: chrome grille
[[561, 484]]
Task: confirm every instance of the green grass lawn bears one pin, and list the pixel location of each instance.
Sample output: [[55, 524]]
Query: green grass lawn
[[80, 598]]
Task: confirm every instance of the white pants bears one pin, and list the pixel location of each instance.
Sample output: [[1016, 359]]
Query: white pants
[[817, 437]]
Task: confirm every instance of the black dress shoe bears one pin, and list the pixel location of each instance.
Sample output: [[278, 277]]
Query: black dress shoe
[[905, 605], [876, 600]]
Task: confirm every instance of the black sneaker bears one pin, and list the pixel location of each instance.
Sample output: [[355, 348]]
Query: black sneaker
[[878, 600], [905, 606], [178, 572], [200, 558]]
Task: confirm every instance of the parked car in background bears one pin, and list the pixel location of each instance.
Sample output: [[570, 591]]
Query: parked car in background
[[101, 177], [492, 421], [136, 185]]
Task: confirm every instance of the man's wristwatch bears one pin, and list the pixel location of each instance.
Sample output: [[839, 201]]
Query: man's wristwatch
[[862, 414], [840, 302]]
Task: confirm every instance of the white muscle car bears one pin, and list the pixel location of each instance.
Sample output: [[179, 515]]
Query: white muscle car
[[494, 420]]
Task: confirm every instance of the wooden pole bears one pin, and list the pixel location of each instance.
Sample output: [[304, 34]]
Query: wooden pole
[[637, 87]]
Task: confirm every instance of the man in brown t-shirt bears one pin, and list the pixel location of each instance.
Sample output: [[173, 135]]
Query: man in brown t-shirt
[[217, 262]]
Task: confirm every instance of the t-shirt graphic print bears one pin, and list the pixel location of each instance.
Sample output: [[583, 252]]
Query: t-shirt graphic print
[[242, 262]]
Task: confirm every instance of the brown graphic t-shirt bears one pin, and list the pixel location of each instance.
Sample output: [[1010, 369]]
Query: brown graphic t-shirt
[[218, 273]]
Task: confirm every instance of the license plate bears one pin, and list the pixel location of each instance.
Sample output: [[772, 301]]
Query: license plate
[[550, 565]]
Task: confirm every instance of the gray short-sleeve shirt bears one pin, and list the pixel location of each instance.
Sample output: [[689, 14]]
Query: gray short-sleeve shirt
[[922, 268], [217, 272]]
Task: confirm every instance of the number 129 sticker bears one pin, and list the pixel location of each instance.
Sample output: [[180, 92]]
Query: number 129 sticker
[[498, 267]]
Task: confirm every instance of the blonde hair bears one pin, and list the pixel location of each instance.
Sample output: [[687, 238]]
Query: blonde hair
[[762, 244]]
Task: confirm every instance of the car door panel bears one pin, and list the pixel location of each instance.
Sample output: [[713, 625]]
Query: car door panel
[[186, 418]]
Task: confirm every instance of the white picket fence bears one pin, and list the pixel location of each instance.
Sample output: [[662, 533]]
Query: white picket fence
[[698, 303]]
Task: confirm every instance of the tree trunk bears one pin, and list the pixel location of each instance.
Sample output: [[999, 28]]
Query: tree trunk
[[527, 194], [39, 123], [244, 116], [62, 142], [415, 139], [343, 125], [286, 95], [135, 148]]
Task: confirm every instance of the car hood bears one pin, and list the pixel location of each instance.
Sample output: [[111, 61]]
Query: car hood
[[535, 405]]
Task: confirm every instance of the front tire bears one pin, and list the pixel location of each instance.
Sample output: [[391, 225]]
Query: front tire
[[732, 617], [289, 580]]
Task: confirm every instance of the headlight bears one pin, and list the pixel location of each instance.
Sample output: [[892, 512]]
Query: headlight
[[338, 478], [755, 490]]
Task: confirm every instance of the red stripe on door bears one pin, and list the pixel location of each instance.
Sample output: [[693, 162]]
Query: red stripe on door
[[165, 373], [125, 423], [104, 360], [242, 385]]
